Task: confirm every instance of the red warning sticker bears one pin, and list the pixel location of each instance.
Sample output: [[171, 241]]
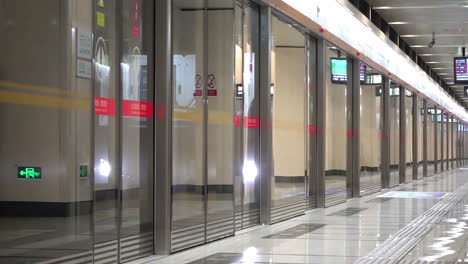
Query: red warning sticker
[[104, 106], [237, 120], [251, 122], [137, 108], [313, 129]]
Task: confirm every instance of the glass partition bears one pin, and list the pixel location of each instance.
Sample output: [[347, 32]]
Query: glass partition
[[370, 127], [46, 160], [394, 120], [439, 148], [431, 139], [409, 101], [137, 133], [336, 125], [188, 206], [289, 108], [246, 121]]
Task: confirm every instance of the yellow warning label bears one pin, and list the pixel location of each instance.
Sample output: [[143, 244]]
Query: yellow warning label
[[101, 3], [101, 19]]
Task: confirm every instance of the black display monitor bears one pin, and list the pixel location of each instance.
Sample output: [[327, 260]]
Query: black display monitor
[[339, 70], [460, 69], [339, 73]]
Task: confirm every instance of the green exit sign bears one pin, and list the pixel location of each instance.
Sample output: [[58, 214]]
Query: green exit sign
[[30, 172], [83, 171]]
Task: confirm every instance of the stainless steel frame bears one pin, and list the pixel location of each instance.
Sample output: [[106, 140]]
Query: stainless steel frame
[[163, 127], [402, 149], [436, 132], [321, 119], [385, 155], [415, 135], [447, 143], [312, 97], [354, 119], [266, 156]]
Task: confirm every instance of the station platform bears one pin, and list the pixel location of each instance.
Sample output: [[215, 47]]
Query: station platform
[[424, 221]]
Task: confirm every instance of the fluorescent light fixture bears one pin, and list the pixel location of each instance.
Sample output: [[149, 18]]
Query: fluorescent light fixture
[[358, 35], [399, 23]]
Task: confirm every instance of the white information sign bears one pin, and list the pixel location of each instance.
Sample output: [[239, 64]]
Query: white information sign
[[83, 68], [84, 45]]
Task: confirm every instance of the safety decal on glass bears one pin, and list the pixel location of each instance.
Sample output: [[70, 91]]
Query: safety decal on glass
[[137, 108], [104, 106]]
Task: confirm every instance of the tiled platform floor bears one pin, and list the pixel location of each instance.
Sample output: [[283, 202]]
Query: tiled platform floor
[[346, 232]]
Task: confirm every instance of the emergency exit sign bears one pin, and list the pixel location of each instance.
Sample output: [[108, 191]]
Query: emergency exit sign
[[30, 172]]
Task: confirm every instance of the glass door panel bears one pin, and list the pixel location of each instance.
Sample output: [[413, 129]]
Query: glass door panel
[[247, 115], [188, 182], [336, 125], [106, 135], [203, 122], [123, 178], [394, 119], [409, 100], [421, 141], [288, 101], [220, 119], [431, 139], [137, 98], [370, 131]]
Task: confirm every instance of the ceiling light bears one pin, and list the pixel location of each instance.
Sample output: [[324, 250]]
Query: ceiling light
[[398, 23]]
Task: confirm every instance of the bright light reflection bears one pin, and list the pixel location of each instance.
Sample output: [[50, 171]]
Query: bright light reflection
[[249, 171], [104, 168], [249, 255]]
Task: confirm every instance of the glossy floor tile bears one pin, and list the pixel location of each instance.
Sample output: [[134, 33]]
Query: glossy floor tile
[[352, 231]]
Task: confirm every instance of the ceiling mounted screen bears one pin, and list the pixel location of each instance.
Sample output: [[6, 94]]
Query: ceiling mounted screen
[[460, 67]]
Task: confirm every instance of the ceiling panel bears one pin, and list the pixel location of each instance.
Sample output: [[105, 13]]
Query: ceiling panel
[[416, 20]]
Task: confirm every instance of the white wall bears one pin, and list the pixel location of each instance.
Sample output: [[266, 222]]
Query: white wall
[[370, 127], [289, 112], [40, 125]]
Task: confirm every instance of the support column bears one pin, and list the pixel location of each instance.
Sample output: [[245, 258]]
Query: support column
[[312, 115], [163, 127], [447, 143], [321, 119], [402, 149], [353, 119], [436, 148], [442, 146], [424, 141], [415, 136]]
